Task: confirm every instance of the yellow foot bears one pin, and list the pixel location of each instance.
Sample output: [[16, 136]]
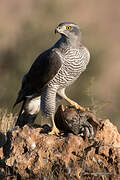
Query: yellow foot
[[77, 106], [54, 131]]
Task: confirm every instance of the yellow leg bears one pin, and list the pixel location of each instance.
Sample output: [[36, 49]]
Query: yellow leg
[[55, 130], [61, 93], [77, 106]]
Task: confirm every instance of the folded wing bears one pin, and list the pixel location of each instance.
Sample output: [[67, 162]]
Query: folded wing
[[41, 72]]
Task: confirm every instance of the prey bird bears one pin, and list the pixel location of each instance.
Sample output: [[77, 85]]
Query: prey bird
[[53, 71]]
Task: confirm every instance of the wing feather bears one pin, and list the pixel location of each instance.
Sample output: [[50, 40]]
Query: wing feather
[[41, 72]]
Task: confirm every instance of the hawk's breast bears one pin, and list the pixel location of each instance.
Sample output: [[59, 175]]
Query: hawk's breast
[[74, 62]]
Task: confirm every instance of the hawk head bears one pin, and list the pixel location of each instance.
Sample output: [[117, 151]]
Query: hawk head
[[68, 29]]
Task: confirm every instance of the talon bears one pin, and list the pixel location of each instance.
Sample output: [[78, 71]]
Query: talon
[[80, 107], [84, 109], [77, 106], [54, 131]]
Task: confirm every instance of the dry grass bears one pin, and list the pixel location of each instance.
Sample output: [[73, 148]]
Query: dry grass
[[7, 121]]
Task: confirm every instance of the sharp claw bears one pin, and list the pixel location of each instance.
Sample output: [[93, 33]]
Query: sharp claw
[[84, 109], [77, 106], [54, 131], [81, 108]]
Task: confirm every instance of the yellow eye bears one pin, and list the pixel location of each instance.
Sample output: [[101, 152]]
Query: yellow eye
[[68, 27]]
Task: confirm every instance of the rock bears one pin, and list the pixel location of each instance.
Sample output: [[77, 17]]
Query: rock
[[31, 153], [109, 134]]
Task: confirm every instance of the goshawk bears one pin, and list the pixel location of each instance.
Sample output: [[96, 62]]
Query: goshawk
[[53, 71]]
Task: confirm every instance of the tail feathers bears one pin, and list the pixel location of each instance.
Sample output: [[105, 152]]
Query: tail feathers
[[19, 99], [14, 105], [20, 113]]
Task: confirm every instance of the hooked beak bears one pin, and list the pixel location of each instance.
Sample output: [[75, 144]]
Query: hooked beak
[[59, 30]]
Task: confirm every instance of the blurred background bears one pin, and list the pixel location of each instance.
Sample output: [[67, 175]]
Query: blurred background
[[27, 29]]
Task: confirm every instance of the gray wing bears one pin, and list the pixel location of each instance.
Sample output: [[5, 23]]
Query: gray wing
[[41, 72]]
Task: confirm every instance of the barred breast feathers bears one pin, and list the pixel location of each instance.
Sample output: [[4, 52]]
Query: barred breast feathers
[[68, 55], [74, 62]]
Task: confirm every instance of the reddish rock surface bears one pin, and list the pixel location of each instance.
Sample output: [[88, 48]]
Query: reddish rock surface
[[31, 154]]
